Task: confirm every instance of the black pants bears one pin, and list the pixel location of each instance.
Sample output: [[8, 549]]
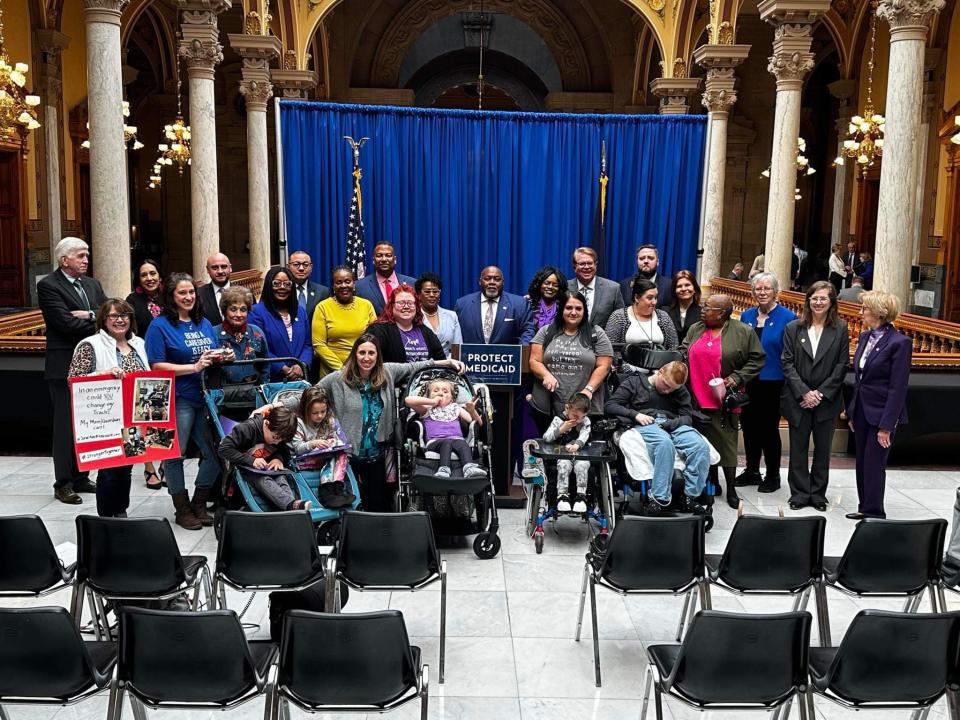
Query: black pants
[[113, 490], [760, 421], [65, 470], [808, 483], [375, 495], [837, 280], [446, 446]]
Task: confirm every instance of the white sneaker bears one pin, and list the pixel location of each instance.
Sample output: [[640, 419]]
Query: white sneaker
[[563, 504], [580, 506], [472, 470], [443, 471]]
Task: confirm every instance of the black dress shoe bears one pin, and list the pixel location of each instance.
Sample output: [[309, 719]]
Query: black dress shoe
[[820, 506], [769, 486], [66, 495], [748, 477], [796, 506], [855, 516], [84, 486]]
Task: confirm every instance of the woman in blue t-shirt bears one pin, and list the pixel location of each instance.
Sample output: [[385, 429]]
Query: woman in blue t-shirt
[[181, 340]]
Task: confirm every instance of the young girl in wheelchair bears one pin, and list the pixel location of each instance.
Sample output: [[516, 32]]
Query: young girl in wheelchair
[[571, 430], [441, 423]]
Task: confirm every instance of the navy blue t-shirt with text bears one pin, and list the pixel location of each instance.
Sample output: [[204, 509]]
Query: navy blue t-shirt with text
[[181, 345]]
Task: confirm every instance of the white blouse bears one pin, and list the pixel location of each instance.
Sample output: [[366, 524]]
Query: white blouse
[[643, 332]]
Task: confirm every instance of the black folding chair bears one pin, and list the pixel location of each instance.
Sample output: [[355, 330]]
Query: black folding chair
[[44, 661], [133, 559], [733, 661], [772, 556], [646, 556], [29, 565], [888, 558], [186, 660], [266, 551], [392, 552], [356, 662], [890, 661]]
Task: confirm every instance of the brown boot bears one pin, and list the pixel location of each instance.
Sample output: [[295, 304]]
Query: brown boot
[[184, 512], [199, 505]]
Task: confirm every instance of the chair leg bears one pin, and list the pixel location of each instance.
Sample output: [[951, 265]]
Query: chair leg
[[811, 713], [802, 704], [329, 585], [786, 707], [683, 613], [953, 705], [648, 678], [94, 615], [76, 603], [108, 633], [443, 616], [270, 693], [658, 701], [942, 598], [912, 603], [932, 590], [139, 712], [424, 692], [823, 613], [3, 714], [801, 600], [115, 703], [706, 600], [284, 709], [596, 639], [208, 589], [583, 597]]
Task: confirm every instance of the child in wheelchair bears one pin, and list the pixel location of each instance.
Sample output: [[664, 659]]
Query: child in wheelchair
[[441, 418], [318, 435], [571, 429]]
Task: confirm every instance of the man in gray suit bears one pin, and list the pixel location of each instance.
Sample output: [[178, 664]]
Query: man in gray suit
[[603, 296]]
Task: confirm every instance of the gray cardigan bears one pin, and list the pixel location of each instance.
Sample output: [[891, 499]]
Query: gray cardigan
[[348, 404]]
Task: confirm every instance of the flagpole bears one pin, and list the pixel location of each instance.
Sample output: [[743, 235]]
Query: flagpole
[[356, 255]]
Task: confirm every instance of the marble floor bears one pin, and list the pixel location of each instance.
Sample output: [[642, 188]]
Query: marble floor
[[511, 620]]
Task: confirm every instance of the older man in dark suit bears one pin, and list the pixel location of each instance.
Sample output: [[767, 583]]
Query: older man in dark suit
[[492, 316], [69, 303], [602, 295]]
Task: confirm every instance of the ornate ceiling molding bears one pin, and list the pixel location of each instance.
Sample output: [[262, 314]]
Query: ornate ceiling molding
[[543, 17]]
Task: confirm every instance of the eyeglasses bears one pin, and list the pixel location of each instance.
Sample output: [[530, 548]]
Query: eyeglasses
[[301, 264], [707, 308], [589, 263], [405, 304], [119, 316], [282, 284], [430, 291], [819, 300]]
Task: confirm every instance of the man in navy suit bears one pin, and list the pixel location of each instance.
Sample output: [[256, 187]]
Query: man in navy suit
[[492, 316], [648, 259], [69, 302], [377, 287], [308, 292]]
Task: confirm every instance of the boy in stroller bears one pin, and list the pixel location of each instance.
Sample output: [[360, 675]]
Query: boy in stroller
[[257, 447], [441, 423], [572, 430]]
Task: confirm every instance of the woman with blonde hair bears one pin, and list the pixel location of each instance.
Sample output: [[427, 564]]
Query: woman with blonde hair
[[881, 368]]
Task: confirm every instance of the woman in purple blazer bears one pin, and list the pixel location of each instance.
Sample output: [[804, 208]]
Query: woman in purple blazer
[[284, 323], [881, 368]]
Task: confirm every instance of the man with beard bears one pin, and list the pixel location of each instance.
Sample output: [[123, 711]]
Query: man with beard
[[219, 270], [378, 287], [647, 261], [493, 316]]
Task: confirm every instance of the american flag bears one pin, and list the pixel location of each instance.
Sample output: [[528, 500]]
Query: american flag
[[356, 250]]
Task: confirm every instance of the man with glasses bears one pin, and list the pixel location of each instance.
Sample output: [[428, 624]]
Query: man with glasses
[[308, 292], [378, 287], [219, 270], [68, 301], [602, 295]]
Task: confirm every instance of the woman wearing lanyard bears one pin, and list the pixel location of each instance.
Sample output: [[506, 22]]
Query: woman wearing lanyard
[[403, 335], [761, 416]]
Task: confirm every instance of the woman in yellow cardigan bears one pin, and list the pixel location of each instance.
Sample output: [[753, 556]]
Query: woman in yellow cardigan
[[339, 320]]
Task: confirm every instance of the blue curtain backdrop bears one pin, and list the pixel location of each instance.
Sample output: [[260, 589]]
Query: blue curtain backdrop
[[457, 190]]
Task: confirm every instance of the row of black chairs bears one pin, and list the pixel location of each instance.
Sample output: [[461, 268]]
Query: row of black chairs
[[203, 660], [766, 556]]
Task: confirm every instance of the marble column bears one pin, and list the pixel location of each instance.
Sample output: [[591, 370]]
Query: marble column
[[719, 98], [789, 64], [909, 23], [924, 204], [257, 51], [674, 94], [109, 208], [294, 84], [846, 92], [201, 50]]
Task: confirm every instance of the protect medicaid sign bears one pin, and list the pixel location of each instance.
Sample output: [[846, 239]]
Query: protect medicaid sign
[[492, 364]]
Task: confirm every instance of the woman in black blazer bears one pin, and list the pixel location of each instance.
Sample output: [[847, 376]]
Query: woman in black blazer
[[403, 336], [816, 351], [684, 309]]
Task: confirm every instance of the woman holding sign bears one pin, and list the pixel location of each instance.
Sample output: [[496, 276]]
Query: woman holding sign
[[182, 341], [115, 349]]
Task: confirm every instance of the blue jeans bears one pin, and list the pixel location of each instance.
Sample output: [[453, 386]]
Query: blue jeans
[[692, 448], [191, 426]]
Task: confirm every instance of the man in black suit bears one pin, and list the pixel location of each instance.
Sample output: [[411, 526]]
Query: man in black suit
[[648, 258], [851, 263], [69, 303], [378, 286], [219, 270], [307, 292]]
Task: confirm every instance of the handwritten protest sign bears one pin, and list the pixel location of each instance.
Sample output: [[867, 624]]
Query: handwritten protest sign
[[124, 421]]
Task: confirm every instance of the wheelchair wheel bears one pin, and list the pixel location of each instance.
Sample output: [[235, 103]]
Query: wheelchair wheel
[[486, 545], [534, 498], [329, 532], [538, 542]]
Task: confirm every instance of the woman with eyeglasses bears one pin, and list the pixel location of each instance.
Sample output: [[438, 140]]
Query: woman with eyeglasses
[[182, 341], [284, 323], [444, 323], [115, 349], [816, 350], [403, 336], [339, 320]]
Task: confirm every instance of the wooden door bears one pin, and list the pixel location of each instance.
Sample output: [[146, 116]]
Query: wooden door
[[867, 207], [951, 232], [13, 248]]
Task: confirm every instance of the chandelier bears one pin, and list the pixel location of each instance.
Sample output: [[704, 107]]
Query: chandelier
[[129, 132], [176, 151], [802, 164], [16, 107], [865, 133]]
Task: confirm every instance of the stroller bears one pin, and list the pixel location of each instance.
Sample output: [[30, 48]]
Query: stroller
[[231, 403], [457, 505]]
